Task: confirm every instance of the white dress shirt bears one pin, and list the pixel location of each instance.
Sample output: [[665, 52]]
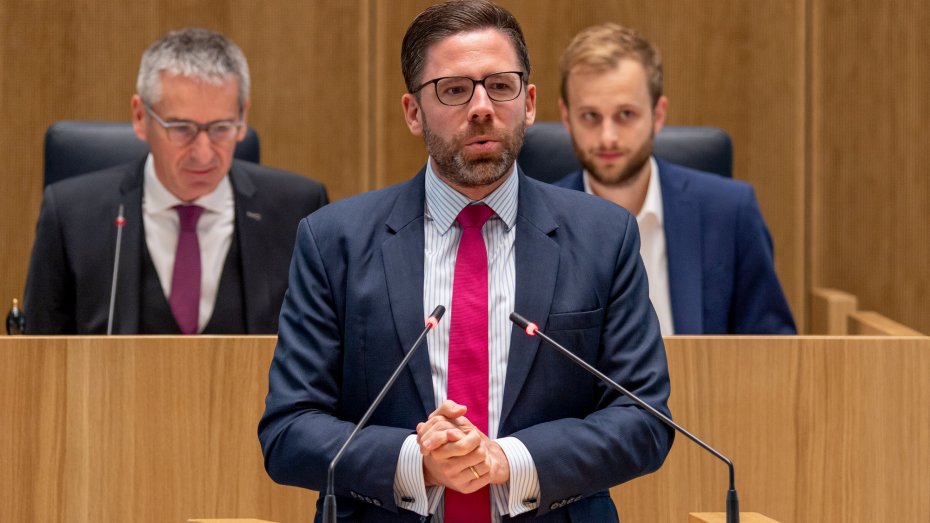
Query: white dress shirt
[[652, 249], [441, 241], [214, 234]]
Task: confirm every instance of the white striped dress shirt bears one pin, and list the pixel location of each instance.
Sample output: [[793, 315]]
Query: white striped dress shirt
[[652, 248], [441, 241]]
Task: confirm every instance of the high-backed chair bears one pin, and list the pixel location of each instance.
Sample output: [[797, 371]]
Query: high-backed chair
[[548, 155], [74, 147]]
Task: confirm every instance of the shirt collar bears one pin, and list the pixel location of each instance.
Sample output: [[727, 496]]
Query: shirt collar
[[652, 205], [159, 198], [443, 203]]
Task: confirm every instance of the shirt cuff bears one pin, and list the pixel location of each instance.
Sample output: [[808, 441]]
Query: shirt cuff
[[522, 493], [409, 486]]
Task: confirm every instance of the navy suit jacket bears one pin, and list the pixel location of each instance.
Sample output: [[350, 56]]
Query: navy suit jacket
[[68, 287], [721, 267], [355, 305]]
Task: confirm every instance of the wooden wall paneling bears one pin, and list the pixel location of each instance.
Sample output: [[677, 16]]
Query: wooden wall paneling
[[830, 310], [870, 113], [399, 154], [311, 102], [871, 323]]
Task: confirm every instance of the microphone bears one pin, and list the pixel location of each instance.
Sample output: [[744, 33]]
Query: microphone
[[120, 222], [532, 330], [329, 502]]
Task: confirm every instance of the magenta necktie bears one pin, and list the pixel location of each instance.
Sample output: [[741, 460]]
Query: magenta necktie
[[468, 349], [185, 281]]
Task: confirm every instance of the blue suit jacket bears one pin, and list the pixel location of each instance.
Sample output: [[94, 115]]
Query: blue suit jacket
[[721, 268], [355, 305]]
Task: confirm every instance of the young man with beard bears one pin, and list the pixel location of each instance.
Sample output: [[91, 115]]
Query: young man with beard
[[705, 245], [479, 426]]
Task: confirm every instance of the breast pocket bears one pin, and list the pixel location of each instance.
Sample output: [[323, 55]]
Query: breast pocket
[[566, 321]]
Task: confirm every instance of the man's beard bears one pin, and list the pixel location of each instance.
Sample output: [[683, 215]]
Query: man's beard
[[629, 173], [482, 170]]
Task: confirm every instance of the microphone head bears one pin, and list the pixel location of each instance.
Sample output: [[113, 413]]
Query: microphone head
[[524, 323], [434, 318]]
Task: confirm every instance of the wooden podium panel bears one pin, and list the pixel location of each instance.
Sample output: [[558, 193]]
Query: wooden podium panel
[[825, 429], [721, 517], [142, 429], [164, 429]]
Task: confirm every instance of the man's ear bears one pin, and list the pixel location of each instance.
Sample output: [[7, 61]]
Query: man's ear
[[530, 104], [563, 112], [412, 114], [659, 113], [244, 119], [138, 118]]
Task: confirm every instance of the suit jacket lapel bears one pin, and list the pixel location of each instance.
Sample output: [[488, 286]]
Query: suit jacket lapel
[[683, 242], [256, 291], [402, 254], [537, 265], [574, 181], [128, 306]]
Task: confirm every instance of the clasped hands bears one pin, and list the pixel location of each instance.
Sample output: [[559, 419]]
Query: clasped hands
[[456, 454]]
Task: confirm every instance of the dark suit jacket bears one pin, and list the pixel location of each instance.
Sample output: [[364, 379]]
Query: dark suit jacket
[[355, 305], [721, 268], [68, 288]]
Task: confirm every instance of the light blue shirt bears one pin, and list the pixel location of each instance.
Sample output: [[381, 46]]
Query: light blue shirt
[[441, 241]]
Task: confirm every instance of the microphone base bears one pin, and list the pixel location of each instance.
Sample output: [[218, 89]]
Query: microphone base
[[329, 509], [732, 506]]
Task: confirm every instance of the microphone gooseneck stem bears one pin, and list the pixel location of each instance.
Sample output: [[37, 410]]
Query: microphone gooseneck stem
[[120, 222], [532, 330], [329, 502]]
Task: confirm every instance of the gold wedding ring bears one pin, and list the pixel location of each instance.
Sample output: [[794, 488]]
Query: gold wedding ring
[[475, 472]]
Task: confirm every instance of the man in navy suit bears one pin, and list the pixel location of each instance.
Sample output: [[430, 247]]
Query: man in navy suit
[[705, 245], [191, 106], [368, 269]]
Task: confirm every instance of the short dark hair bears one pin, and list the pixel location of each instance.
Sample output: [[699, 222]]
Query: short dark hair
[[440, 21]]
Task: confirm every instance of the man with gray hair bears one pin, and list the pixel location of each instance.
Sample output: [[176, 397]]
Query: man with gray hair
[[207, 239]]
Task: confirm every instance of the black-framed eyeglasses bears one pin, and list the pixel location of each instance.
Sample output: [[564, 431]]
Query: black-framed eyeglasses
[[183, 132], [458, 90]]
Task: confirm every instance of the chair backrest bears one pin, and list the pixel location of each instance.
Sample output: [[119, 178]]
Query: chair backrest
[[74, 147], [548, 155]]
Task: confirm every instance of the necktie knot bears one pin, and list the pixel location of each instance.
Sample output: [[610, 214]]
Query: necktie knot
[[474, 216], [189, 215]]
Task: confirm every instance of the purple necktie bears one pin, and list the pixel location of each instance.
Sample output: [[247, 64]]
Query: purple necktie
[[468, 349], [185, 281]]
